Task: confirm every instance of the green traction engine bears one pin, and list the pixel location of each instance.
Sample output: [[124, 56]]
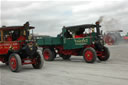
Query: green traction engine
[[81, 40]]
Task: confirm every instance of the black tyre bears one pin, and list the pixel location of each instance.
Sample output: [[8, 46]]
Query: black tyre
[[105, 56], [53, 50], [49, 54], [65, 57], [89, 55], [15, 63], [39, 61]]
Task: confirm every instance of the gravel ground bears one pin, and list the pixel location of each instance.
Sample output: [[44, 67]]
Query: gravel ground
[[73, 72]]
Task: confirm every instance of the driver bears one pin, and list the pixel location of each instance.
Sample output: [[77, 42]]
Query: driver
[[67, 34], [15, 35], [9, 37], [22, 37], [80, 33]]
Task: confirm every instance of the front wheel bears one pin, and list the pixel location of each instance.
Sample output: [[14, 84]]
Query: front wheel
[[89, 55], [105, 55], [15, 63], [39, 62]]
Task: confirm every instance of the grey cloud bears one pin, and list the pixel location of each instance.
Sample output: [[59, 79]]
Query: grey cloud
[[50, 16]]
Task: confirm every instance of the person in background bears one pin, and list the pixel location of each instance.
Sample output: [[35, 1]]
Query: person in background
[[80, 33]]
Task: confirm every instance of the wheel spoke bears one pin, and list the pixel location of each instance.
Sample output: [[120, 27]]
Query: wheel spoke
[[89, 55], [46, 55], [13, 63]]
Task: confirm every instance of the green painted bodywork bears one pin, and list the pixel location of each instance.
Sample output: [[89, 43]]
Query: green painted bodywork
[[74, 43], [69, 43], [45, 41], [126, 34]]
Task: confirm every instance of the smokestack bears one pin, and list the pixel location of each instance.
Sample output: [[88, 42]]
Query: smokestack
[[99, 20]]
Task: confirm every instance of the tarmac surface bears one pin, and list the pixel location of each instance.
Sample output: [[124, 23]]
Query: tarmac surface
[[73, 72]]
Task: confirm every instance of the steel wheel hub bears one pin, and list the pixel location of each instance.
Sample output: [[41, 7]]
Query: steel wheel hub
[[88, 55], [13, 63], [46, 55]]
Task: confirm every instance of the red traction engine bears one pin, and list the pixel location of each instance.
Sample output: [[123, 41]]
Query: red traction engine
[[17, 47], [112, 37]]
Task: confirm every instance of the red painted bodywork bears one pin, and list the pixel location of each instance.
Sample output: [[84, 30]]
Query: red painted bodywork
[[80, 36], [125, 37], [7, 43], [108, 40], [5, 46], [2, 59], [61, 50], [15, 46]]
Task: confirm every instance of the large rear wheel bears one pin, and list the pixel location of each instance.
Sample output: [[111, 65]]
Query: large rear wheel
[[105, 55], [15, 63], [48, 54], [89, 55], [39, 62]]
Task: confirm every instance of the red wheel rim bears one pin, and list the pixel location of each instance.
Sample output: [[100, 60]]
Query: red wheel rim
[[46, 55], [13, 63], [88, 55]]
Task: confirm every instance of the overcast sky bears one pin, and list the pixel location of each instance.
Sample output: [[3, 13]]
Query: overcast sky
[[49, 17]]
